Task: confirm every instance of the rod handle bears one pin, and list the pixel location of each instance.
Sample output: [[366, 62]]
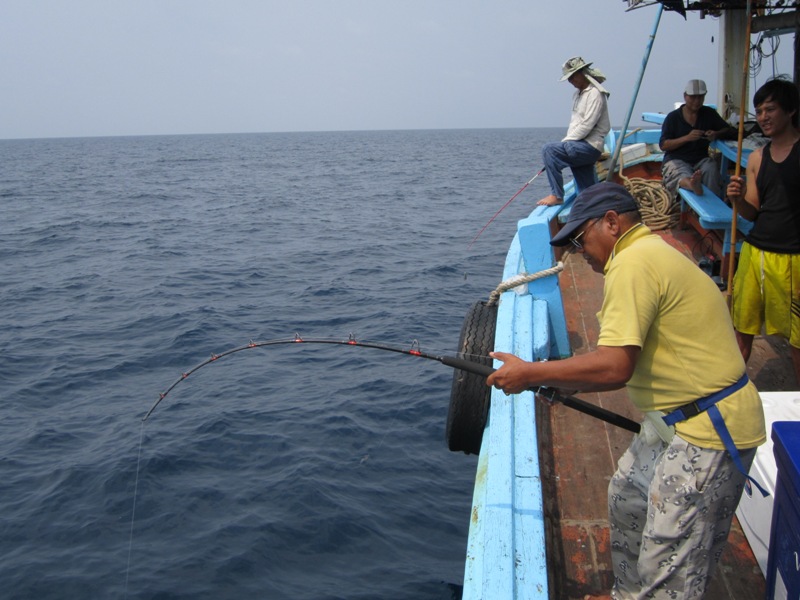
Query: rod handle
[[575, 403], [467, 365]]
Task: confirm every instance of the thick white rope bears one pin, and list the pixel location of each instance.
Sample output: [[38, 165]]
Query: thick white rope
[[522, 279]]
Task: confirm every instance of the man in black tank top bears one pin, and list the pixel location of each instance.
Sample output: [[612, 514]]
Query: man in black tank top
[[766, 287]]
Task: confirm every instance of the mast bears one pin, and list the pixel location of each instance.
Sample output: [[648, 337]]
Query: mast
[[733, 46]]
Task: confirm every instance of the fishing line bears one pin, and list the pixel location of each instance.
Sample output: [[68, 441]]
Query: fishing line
[[413, 350], [386, 431], [504, 205], [133, 508]]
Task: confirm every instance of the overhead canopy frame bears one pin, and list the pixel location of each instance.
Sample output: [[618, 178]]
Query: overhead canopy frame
[[713, 7]]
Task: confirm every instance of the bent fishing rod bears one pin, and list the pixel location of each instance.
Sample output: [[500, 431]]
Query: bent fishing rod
[[454, 362], [504, 205], [414, 350]]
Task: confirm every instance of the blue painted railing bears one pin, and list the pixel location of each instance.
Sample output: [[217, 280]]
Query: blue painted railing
[[506, 556]]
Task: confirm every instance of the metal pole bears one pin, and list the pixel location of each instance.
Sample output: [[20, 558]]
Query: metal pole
[[646, 58]]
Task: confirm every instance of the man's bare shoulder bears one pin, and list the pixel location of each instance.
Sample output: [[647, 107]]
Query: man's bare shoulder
[[754, 159]]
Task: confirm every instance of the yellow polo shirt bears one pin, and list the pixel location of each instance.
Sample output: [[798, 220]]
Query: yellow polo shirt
[[659, 300]]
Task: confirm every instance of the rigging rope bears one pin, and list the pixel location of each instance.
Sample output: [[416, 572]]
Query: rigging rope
[[522, 279]]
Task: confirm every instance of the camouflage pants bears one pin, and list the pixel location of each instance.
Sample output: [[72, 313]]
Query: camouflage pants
[[670, 510], [675, 170]]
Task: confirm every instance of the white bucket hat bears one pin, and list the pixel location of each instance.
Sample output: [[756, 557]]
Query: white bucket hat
[[572, 66]]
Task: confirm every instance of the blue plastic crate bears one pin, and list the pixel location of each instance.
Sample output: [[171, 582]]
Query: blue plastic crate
[[783, 569]]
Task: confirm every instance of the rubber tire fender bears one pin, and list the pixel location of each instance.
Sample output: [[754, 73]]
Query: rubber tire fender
[[470, 396]]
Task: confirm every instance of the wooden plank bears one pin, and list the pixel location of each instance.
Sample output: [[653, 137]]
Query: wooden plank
[[506, 554], [473, 566], [530, 557], [537, 255], [711, 210], [506, 557]]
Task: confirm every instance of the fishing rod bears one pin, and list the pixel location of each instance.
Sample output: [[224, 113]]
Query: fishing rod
[[414, 350], [450, 361], [504, 205]]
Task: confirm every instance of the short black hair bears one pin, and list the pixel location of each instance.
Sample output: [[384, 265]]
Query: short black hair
[[783, 92], [634, 215]]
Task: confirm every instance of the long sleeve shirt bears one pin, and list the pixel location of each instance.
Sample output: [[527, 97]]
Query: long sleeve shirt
[[590, 119]]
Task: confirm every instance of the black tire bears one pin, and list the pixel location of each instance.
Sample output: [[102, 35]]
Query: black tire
[[469, 397]]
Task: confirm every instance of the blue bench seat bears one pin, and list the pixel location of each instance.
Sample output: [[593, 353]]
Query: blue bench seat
[[713, 213]]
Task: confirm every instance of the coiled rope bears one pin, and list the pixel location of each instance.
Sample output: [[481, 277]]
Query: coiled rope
[[522, 279], [658, 209]]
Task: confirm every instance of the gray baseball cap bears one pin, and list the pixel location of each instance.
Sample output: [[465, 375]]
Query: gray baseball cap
[[695, 87]]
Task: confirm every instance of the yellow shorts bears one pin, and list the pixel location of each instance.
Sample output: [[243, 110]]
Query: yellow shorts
[[766, 291]]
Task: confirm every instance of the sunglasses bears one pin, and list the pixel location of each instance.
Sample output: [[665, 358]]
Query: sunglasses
[[574, 240]]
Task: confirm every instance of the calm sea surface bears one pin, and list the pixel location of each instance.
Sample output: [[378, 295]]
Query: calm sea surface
[[296, 472]]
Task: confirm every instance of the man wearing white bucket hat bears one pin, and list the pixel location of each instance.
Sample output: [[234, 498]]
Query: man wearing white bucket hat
[[581, 147]]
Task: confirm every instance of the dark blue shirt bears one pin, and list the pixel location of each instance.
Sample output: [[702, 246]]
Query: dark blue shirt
[[675, 126]]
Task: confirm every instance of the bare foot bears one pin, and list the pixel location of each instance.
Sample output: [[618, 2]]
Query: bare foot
[[696, 181], [550, 200]]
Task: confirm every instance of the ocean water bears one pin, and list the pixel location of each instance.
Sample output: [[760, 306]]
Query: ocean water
[[291, 471]]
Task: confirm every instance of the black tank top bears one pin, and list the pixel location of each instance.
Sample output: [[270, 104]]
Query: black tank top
[[777, 224]]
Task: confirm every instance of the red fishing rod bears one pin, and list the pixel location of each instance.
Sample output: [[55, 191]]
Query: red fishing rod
[[451, 361], [504, 205]]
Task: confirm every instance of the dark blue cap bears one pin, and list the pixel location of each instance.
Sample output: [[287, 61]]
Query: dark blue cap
[[591, 203]]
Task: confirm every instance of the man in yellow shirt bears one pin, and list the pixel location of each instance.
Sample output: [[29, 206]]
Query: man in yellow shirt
[[665, 333]]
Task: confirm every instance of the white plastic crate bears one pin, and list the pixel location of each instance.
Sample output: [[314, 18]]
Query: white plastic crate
[[755, 511]]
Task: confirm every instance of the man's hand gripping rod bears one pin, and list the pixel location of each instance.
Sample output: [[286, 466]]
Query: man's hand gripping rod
[[552, 395]]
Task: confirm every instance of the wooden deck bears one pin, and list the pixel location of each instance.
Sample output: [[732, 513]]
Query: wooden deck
[[579, 455]]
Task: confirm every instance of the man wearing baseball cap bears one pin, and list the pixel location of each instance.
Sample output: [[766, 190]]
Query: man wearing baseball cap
[[685, 137], [665, 335]]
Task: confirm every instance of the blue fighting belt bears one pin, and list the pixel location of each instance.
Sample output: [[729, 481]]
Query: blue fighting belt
[[708, 404]]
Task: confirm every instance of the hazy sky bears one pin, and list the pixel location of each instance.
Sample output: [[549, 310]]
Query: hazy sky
[[131, 67]]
